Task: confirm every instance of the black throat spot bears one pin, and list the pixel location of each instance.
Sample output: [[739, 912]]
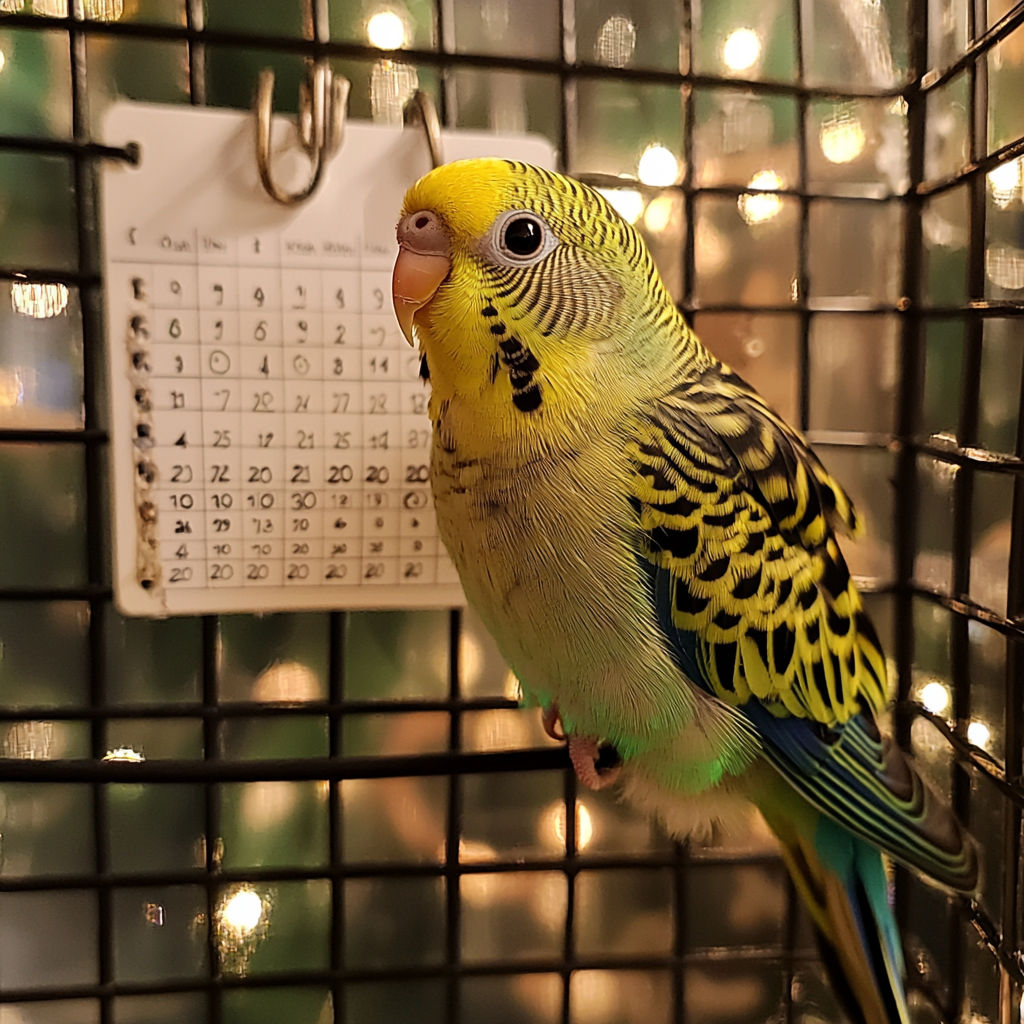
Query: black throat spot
[[527, 399], [521, 364]]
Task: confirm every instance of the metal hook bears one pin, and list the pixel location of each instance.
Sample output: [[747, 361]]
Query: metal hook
[[422, 106], [322, 103]]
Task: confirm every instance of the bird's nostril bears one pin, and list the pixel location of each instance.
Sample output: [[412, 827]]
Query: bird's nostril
[[422, 222]]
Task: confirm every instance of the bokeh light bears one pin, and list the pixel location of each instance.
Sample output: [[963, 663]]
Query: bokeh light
[[386, 31], [756, 208], [658, 167], [38, 300], [978, 733], [628, 202], [741, 49], [935, 697], [842, 138]]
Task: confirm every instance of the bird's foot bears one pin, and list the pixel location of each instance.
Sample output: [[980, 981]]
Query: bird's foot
[[594, 767], [552, 721], [586, 755]]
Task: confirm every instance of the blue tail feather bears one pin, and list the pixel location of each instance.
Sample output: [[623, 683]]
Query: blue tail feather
[[861, 870]]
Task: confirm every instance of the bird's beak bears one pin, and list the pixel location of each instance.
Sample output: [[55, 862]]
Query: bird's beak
[[415, 281], [424, 260]]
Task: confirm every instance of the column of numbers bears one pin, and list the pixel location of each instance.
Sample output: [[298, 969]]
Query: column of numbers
[[382, 463], [342, 473], [302, 312], [263, 425], [220, 366], [176, 397], [418, 541]]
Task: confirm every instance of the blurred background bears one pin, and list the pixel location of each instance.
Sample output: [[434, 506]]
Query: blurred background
[[834, 192]]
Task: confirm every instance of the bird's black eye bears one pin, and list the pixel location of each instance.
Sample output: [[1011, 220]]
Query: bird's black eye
[[517, 238], [523, 236]]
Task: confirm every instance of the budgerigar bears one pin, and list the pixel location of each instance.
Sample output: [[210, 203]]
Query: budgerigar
[[653, 549]]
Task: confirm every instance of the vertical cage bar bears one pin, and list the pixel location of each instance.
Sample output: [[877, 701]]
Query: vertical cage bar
[[335, 821], [803, 281], [211, 808], [453, 902], [687, 302], [908, 404], [567, 87], [91, 297], [569, 791], [195, 20], [1009, 1010], [680, 872]]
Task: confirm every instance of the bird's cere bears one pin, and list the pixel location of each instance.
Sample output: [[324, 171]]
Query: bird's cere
[[424, 261]]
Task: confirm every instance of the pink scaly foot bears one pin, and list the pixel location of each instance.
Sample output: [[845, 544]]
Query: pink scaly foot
[[584, 752]]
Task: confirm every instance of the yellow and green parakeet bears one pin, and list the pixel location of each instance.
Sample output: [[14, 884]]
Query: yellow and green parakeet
[[654, 551]]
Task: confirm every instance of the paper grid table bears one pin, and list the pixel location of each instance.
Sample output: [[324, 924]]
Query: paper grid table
[[269, 432]]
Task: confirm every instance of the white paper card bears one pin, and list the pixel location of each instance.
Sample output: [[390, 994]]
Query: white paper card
[[269, 435]]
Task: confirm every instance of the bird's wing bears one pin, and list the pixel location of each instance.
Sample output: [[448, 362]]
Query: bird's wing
[[737, 521]]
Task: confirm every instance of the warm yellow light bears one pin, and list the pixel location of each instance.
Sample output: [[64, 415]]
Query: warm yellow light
[[512, 688], [12, 389], [50, 8], [242, 913], [392, 85], [38, 300], [935, 697], [386, 31], [657, 167], [11, 6], [1005, 181], [842, 138], [103, 10], [757, 208], [3, 61], [899, 106], [712, 248], [551, 826], [659, 214], [286, 681], [615, 42], [741, 49], [34, 741], [473, 851], [978, 734], [1004, 266], [628, 202], [267, 803], [123, 754]]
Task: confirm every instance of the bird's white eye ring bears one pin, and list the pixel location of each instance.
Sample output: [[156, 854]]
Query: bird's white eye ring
[[519, 238]]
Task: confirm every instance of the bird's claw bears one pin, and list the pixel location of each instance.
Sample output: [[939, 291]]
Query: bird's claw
[[584, 752], [552, 722]]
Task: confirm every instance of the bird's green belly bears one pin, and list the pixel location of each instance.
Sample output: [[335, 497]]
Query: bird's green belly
[[557, 584]]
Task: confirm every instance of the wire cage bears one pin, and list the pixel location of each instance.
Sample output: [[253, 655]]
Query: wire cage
[[346, 817]]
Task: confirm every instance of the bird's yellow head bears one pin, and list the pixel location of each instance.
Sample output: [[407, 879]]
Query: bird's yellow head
[[537, 308]]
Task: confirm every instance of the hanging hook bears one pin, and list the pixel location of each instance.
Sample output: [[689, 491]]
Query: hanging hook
[[422, 106], [321, 124]]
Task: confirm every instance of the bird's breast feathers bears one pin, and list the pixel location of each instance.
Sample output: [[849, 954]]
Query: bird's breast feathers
[[547, 552]]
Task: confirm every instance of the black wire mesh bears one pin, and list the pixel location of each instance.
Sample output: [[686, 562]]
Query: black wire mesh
[[108, 914]]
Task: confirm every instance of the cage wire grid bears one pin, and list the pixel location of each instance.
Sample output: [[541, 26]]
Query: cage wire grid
[[955, 983]]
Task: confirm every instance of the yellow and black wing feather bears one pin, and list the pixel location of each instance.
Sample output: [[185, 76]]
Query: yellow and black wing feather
[[737, 521], [742, 515]]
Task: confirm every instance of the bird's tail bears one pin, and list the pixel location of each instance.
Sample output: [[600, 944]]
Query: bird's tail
[[842, 881]]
